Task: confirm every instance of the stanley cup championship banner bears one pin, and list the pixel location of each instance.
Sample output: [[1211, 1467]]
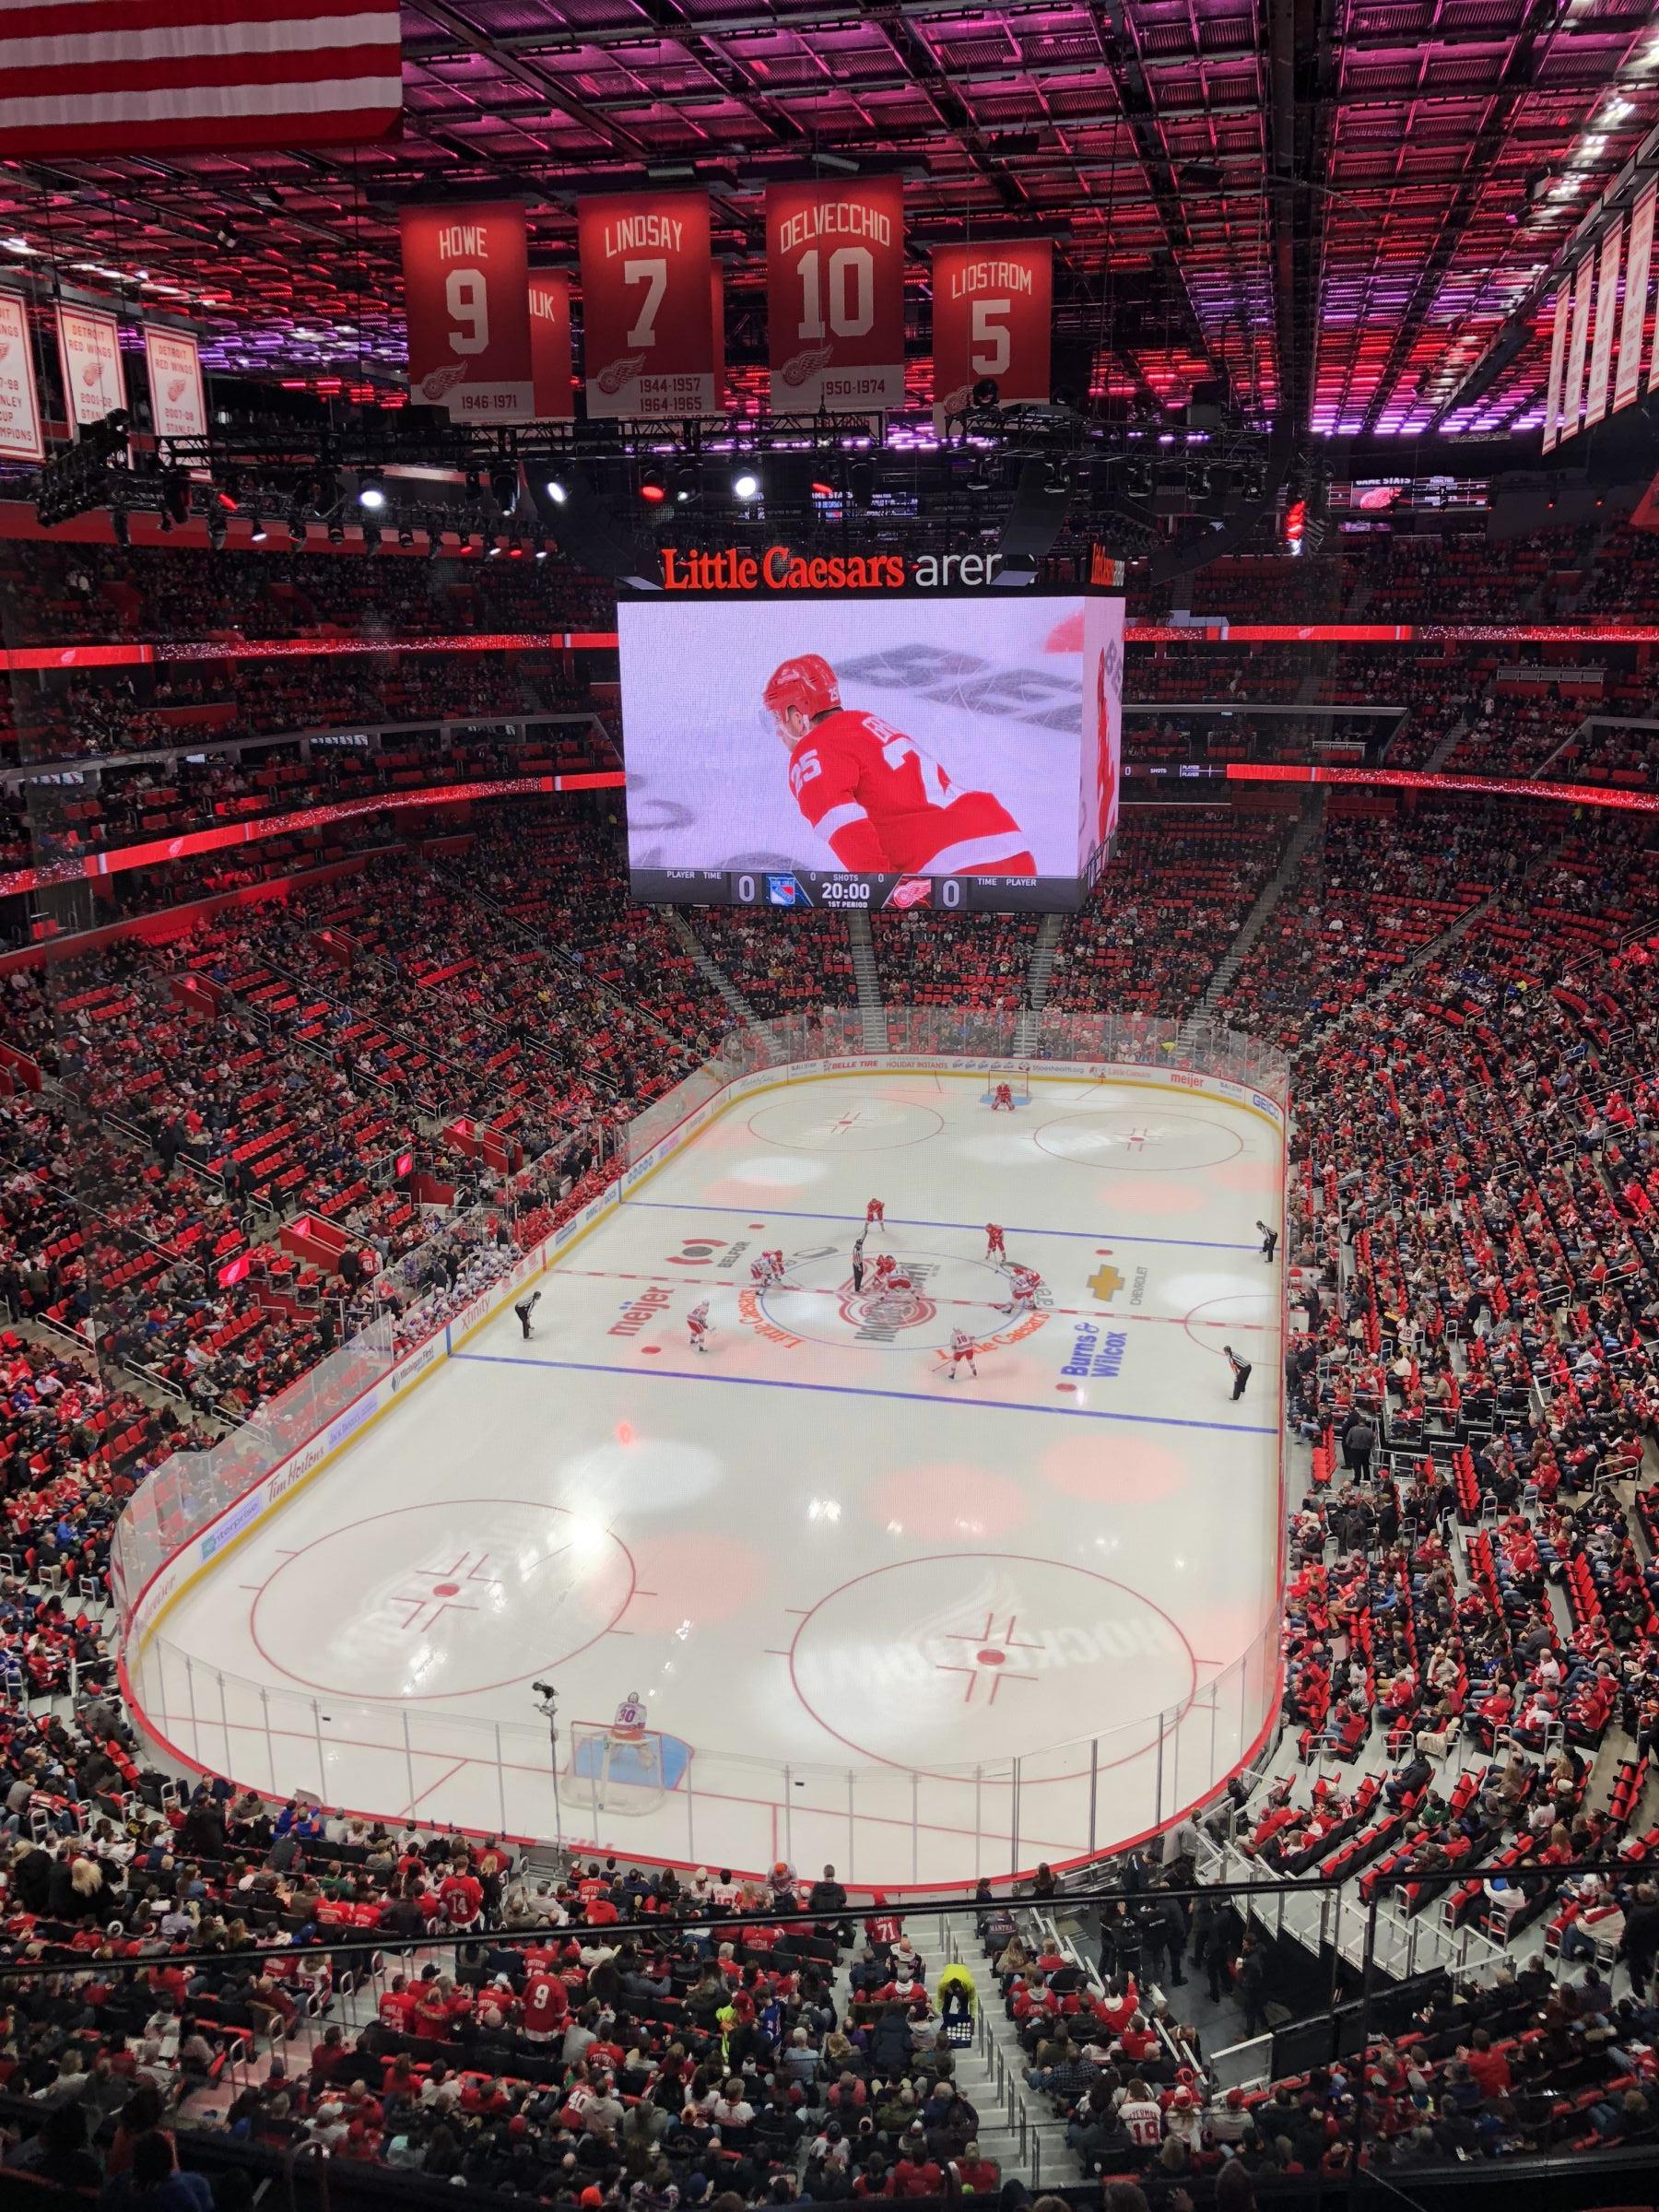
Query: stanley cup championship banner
[[178, 404], [21, 437], [466, 299], [648, 334], [835, 296], [551, 346], [991, 308], [89, 354]]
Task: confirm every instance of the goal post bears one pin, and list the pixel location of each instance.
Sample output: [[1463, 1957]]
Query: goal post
[[1016, 1075], [624, 1771]]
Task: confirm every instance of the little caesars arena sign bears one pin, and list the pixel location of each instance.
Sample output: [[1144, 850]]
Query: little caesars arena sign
[[777, 568]]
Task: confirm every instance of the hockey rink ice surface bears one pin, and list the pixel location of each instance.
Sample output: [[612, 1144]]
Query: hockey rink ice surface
[[919, 1629]]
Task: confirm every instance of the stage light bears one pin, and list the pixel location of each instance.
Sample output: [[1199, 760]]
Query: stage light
[[861, 482], [653, 486], [227, 500], [260, 533], [746, 485], [985, 393], [336, 533], [557, 491], [296, 534], [406, 537], [504, 488], [372, 494]]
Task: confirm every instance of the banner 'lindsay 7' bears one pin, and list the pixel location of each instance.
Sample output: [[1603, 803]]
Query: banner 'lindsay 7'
[[835, 296], [550, 345], [648, 334], [106, 76], [992, 307], [466, 297]]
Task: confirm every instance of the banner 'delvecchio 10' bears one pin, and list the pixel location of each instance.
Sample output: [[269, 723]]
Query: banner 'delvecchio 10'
[[466, 299], [550, 345], [835, 296], [992, 307], [648, 334]]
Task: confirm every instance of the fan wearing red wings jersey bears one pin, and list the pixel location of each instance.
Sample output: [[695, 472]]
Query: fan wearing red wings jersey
[[880, 802]]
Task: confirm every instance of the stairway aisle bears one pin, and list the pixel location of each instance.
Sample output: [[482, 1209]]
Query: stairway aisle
[[877, 1037], [1261, 913], [708, 968], [1018, 2128], [1039, 976]]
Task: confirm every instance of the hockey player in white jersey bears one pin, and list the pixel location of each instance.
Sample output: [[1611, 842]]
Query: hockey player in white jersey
[[962, 1347]]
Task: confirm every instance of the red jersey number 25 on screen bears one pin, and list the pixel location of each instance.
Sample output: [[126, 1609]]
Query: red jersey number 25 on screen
[[647, 326], [835, 296]]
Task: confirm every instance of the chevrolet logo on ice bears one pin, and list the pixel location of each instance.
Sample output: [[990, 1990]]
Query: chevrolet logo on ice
[[1106, 1282]]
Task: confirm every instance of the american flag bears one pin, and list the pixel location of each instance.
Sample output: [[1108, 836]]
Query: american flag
[[104, 76]]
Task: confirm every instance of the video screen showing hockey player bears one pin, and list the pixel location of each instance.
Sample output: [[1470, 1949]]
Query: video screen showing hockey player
[[910, 738]]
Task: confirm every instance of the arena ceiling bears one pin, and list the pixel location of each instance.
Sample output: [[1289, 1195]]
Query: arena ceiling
[[1333, 203]]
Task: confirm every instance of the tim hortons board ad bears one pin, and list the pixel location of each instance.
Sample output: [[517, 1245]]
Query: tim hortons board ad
[[648, 334], [466, 297], [835, 296]]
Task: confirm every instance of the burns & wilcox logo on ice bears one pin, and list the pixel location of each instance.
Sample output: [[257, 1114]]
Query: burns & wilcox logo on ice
[[1097, 1355]]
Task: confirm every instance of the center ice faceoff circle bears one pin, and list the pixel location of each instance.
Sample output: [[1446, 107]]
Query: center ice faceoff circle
[[433, 1601], [996, 1656], [813, 1122], [1151, 1140], [934, 1292]]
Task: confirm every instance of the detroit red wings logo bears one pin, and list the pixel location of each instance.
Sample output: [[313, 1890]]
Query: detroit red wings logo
[[437, 382], [800, 366], [93, 374], [611, 379], [175, 390]]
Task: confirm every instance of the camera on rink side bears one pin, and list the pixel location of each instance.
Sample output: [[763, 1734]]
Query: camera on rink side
[[543, 1689]]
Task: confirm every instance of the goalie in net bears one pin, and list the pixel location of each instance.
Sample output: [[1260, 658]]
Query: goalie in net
[[622, 1765], [1006, 1087]]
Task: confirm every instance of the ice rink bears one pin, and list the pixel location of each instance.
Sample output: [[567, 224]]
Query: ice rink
[[918, 1627]]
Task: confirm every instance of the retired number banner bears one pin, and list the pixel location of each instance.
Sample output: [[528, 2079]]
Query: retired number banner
[[992, 309], [21, 437], [1637, 265], [551, 346], [89, 353], [466, 301], [835, 296], [648, 334], [178, 404]]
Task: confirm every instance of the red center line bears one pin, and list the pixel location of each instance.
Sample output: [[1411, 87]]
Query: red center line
[[978, 1305]]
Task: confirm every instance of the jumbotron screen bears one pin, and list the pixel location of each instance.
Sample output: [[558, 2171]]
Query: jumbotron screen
[[961, 753]]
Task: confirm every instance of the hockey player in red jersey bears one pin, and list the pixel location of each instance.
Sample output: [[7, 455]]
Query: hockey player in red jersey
[[876, 798], [875, 1217], [995, 1249]]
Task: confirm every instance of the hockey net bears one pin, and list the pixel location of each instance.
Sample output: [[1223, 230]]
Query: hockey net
[[618, 1771], [1018, 1080]]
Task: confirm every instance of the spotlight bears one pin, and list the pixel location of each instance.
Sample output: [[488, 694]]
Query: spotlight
[[372, 494], [296, 534], [653, 486], [557, 491], [686, 483], [260, 533], [985, 393], [746, 485], [861, 482], [406, 537], [336, 533], [504, 488], [227, 500], [493, 548], [541, 550]]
